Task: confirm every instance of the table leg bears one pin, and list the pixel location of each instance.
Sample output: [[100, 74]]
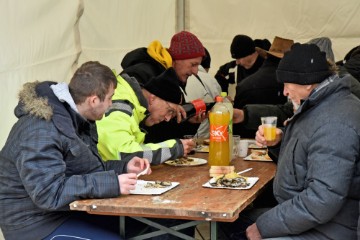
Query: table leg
[[174, 230], [213, 230], [122, 227]]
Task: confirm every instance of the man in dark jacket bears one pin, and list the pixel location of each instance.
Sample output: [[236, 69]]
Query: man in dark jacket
[[184, 55], [247, 61], [262, 87], [318, 178], [50, 159]]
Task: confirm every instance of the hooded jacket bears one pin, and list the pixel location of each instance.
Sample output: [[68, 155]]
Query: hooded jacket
[[119, 131], [145, 63], [317, 183], [49, 160]]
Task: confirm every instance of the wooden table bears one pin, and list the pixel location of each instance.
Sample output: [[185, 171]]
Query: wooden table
[[188, 201]]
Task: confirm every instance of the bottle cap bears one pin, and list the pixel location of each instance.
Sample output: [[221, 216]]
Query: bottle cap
[[218, 99], [223, 94]]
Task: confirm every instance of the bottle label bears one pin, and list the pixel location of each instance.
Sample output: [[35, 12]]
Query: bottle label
[[199, 105], [219, 133]]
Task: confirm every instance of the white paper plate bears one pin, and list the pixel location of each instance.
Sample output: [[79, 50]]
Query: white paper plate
[[249, 158], [195, 162], [252, 145], [251, 181], [142, 190]]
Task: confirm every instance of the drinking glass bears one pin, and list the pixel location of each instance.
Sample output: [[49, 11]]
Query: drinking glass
[[269, 124]]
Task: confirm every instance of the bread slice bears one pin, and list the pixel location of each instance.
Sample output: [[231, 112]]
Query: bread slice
[[220, 170]]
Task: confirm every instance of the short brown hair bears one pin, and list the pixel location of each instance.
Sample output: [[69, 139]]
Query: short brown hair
[[89, 79]]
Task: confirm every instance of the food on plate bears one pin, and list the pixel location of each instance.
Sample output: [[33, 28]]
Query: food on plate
[[181, 161], [158, 184], [229, 180], [216, 171], [260, 154]]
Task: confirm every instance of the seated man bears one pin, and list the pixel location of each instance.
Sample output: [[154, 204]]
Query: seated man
[[50, 159], [184, 54], [262, 87], [317, 179], [247, 61], [120, 131]]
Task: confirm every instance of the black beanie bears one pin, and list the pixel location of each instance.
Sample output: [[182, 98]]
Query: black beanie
[[165, 86], [206, 60], [242, 46], [304, 64]]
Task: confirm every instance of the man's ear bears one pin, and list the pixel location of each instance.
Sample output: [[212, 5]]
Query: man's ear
[[152, 98], [92, 100]]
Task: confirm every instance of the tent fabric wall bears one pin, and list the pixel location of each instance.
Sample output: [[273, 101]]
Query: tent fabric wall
[[217, 23], [49, 39]]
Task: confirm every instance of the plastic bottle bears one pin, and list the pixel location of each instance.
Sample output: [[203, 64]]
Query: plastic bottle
[[230, 107], [196, 107], [219, 118]]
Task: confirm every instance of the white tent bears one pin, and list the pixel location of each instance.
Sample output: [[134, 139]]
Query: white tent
[[48, 39]]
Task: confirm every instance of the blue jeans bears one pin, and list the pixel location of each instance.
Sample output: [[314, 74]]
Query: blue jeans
[[85, 227]]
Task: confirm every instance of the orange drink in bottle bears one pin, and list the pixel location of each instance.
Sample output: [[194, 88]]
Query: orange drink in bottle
[[219, 118]]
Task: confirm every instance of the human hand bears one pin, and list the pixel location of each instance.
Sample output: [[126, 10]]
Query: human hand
[[238, 115], [180, 113], [198, 118], [260, 139], [127, 182], [136, 165], [252, 232], [188, 145]]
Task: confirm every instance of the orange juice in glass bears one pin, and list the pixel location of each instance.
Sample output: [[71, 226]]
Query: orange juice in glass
[[269, 124]]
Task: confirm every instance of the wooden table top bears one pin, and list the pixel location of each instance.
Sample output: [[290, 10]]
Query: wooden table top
[[189, 200]]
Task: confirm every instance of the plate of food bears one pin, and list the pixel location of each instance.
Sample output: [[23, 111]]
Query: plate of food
[[258, 155], [252, 145], [231, 181], [153, 187], [186, 162]]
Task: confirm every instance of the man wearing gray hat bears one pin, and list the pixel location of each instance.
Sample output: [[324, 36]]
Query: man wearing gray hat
[[318, 174]]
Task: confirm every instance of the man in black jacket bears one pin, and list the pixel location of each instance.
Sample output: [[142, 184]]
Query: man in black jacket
[[247, 61], [184, 55]]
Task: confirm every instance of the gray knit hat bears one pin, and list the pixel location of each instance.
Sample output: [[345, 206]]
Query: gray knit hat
[[325, 45], [304, 64]]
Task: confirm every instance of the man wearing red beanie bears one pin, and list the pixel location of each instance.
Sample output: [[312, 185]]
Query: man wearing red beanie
[[184, 55]]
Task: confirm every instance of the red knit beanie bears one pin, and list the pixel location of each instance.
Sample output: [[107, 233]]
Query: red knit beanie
[[185, 45]]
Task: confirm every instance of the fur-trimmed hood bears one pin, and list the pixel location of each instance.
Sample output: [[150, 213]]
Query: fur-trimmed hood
[[37, 99], [31, 103]]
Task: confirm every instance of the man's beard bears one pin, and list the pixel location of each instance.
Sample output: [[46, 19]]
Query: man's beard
[[295, 105]]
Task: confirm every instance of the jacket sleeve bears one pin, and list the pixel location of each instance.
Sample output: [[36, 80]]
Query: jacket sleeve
[[121, 137], [325, 182], [53, 182]]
